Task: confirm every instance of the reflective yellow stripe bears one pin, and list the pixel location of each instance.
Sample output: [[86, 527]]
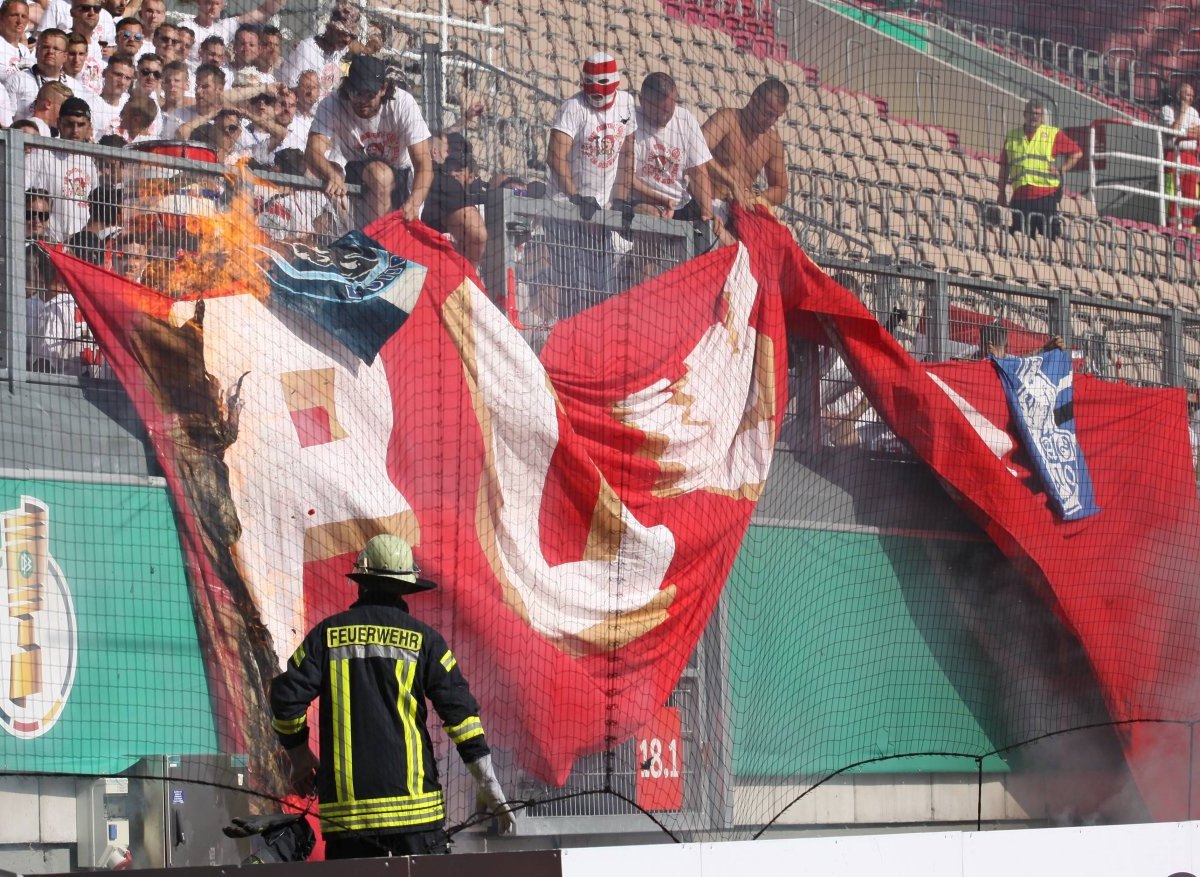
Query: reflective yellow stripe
[[343, 761], [289, 726], [448, 661], [432, 815], [370, 805], [298, 655], [465, 730], [406, 706]]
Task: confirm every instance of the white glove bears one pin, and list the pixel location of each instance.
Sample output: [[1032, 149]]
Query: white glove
[[489, 796]]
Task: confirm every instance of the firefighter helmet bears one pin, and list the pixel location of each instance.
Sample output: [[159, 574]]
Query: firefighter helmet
[[388, 560]]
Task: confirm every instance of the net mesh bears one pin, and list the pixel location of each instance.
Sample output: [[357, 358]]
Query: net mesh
[[572, 414]]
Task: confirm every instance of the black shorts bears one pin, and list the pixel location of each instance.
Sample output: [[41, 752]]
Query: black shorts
[[446, 197], [400, 190]]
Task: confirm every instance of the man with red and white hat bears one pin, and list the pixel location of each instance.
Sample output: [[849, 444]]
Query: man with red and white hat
[[591, 164], [591, 150]]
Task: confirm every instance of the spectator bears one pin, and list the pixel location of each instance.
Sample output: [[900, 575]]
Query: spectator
[[302, 215], [246, 45], [77, 56], [112, 170], [590, 146], [148, 77], [212, 52], [37, 214], [14, 48], [285, 133], [6, 108], [174, 98], [23, 85], [151, 14], [308, 95], [26, 126], [450, 209], [323, 53], [372, 133], [263, 134], [187, 42], [993, 341], [270, 51], [91, 243], [85, 20], [670, 177], [46, 106], [591, 162], [106, 106], [1180, 115], [138, 119], [208, 20], [131, 258], [210, 99], [167, 43], [744, 144], [130, 39], [57, 335], [67, 176], [58, 15], [223, 134], [1028, 163]]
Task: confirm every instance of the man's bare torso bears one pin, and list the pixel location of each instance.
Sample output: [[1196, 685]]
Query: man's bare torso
[[742, 156]]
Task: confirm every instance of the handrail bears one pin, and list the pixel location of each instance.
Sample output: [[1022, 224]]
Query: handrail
[[1157, 161]]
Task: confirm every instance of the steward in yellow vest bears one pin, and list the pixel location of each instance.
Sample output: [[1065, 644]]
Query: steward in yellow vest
[[1028, 163]]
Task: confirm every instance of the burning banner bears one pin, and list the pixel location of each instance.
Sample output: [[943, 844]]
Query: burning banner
[[580, 509]]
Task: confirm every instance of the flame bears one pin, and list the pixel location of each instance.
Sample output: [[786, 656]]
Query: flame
[[205, 229]]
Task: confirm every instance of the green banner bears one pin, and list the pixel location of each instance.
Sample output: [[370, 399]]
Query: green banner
[[857, 656], [99, 660]]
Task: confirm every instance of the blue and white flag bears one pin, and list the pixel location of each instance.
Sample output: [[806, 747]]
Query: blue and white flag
[[1040, 396]]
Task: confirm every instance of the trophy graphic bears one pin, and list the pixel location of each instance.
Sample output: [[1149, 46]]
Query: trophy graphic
[[26, 546]]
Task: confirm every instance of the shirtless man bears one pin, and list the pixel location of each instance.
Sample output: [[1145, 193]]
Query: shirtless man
[[744, 143]]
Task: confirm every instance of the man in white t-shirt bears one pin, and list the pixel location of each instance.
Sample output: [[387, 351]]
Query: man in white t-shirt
[[371, 132], [324, 52], [67, 176], [85, 21], [208, 22], [14, 50], [106, 106], [1180, 115], [23, 85], [591, 163], [591, 152], [58, 15], [670, 176]]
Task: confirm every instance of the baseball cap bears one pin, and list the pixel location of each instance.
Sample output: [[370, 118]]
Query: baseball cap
[[75, 106], [367, 74]]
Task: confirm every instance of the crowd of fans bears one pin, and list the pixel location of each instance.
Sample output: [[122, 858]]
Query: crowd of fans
[[331, 108]]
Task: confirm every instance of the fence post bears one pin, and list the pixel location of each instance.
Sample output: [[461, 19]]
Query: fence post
[[12, 220], [1173, 374], [431, 71], [938, 330]]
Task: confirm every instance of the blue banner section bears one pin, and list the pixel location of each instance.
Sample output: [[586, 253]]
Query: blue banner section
[[1040, 395], [319, 282]]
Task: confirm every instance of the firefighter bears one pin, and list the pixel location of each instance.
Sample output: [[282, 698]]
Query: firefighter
[[373, 667]]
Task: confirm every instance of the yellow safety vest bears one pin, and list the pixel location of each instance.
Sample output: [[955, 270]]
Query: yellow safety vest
[[1031, 162]]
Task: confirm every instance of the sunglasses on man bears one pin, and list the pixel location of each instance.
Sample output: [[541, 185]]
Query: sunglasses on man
[[130, 35], [88, 7], [153, 74], [37, 215]]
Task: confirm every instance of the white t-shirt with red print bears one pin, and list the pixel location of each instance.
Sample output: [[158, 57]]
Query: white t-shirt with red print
[[663, 156], [596, 140], [385, 137]]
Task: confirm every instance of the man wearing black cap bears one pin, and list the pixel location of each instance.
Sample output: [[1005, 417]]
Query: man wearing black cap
[[373, 667], [372, 133], [91, 243], [67, 176]]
